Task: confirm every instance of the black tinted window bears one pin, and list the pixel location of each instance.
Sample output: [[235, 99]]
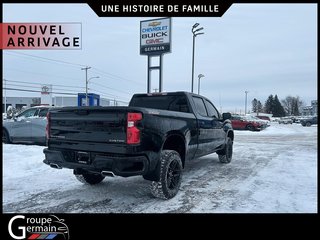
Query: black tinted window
[[179, 104], [164, 102], [212, 111], [201, 109]]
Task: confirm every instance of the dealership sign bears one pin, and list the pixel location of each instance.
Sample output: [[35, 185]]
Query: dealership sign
[[155, 36], [46, 95]]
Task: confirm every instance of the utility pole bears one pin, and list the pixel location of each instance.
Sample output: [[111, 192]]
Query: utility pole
[[245, 108], [86, 68]]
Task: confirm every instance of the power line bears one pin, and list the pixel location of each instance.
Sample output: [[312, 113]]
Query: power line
[[110, 88], [105, 93], [64, 93], [33, 83], [19, 85], [115, 76], [25, 90], [38, 85], [48, 59], [43, 74], [73, 64]]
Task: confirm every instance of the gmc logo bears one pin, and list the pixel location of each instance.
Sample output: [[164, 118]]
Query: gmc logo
[[154, 41]]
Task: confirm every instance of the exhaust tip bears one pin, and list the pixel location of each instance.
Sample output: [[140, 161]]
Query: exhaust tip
[[54, 165], [108, 174]]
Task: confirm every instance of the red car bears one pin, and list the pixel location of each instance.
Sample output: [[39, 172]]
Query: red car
[[245, 123], [264, 118]]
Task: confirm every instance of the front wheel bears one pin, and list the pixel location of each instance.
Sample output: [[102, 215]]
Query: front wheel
[[308, 124], [89, 178], [170, 175], [225, 155], [250, 127]]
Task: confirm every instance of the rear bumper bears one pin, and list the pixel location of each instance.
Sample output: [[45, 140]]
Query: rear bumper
[[124, 166]]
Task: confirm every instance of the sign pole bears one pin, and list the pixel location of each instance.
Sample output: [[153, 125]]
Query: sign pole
[[149, 75], [155, 40], [160, 74]]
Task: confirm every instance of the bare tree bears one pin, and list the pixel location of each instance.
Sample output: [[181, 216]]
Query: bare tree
[[292, 105]]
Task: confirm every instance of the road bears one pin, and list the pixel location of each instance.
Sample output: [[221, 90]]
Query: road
[[272, 171]]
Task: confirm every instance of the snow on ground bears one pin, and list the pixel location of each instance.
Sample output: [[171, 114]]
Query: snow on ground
[[272, 171]]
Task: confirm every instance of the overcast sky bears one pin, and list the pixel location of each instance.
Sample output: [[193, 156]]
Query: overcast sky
[[261, 48]]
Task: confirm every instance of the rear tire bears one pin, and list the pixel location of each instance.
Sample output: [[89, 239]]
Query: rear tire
[[170, 175], [225, 155], [308, 124], [5, 136], [89, 178]]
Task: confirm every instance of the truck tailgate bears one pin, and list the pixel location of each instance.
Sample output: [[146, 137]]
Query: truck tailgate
[[100, 125]]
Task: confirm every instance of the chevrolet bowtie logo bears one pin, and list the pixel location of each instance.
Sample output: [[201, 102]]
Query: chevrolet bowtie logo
[[154, 24]]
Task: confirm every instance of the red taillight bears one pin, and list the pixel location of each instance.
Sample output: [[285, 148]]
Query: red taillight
[[48, 126], [133, 133]]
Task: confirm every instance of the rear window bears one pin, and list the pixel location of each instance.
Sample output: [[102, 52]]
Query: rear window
[[163, 102]]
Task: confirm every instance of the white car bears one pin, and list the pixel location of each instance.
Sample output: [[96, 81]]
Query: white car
[[285, 120]]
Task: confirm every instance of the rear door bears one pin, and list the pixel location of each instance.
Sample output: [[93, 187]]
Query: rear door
[[208, 128], [21, 127], [217, 125]]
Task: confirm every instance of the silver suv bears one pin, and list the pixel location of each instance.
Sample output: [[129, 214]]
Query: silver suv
[[28, 126]]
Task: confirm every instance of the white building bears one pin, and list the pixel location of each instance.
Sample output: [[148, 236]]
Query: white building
[[311, 110], [59, 101]]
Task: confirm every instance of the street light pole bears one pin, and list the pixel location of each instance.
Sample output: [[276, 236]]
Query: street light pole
[[194, 37], [87, 83], [195, 33], [86, 69], [245, 108], [199, 76]]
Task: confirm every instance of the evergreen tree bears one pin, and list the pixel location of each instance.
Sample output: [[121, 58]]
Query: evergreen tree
[[259, 107], [254, 105], [278, 110], [268, 106]]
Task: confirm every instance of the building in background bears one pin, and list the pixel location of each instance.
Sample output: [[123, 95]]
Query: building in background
[[311, 110], [58, 101]]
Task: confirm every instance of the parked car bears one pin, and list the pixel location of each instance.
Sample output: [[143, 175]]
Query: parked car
[[28, 126], [264, 118], [262, 122], [309, 121], [154, 136], [245, 123], [285, 120]]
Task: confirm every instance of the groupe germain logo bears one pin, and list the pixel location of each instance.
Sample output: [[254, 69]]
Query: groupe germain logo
[[22, 227]]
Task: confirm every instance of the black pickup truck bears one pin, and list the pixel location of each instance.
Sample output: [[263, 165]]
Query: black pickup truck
[[154, 136]]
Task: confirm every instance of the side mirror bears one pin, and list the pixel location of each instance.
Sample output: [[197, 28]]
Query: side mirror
[[226, 116]]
